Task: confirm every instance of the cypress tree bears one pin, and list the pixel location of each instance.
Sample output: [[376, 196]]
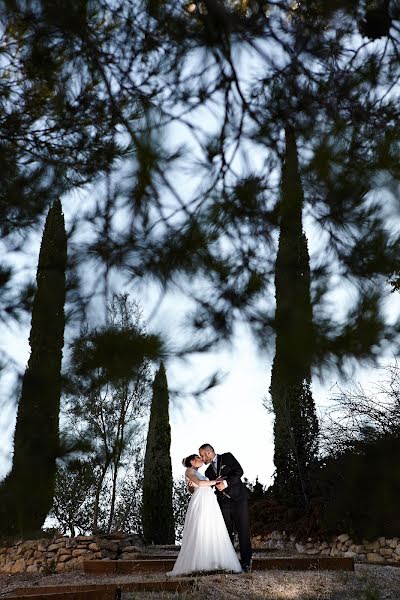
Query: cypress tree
[[27, 493], [158, 517], [296, 425]]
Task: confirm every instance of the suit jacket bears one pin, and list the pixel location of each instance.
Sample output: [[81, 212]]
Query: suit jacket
[[228, 468]]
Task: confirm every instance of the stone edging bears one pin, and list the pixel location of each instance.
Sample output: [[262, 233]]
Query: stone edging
[[381, 550], [64, 553]]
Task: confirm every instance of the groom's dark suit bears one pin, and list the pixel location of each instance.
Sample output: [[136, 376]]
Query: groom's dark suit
[[233, 501]]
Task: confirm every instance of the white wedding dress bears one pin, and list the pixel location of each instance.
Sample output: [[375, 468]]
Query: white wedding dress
[[206, 545]]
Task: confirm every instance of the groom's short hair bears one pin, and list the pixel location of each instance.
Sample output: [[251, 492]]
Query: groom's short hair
[[206, 447]]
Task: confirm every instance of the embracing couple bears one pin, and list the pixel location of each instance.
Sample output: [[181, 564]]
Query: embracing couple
[[207, 542]]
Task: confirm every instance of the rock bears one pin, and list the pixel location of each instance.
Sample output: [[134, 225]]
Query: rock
[[43, 545], [19, 566], [397, 549], [349, 554], [372, 557], [64, 558], [372, 545], [339, 546], [361, 557], [94, 547], [393, 542], [28, 545], [343, 538], [7, 568], [382, 541], [323, 546], [32, 568], [60, 567], [61, 540], [85, 538], [62, 551], [300, 548], [54, 547], [129, 555], [312, 551], [132, 549], [108, 545], [78, 552], [348, 543], [108, 554], [326, 552]]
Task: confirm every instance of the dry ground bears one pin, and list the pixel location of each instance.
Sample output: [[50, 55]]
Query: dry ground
[[366, 583]]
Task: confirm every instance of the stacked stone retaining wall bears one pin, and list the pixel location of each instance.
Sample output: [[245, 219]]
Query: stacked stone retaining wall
[[65, 553], [381, 550]]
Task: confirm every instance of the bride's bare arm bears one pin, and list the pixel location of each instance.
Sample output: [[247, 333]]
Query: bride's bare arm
[[199, 482]]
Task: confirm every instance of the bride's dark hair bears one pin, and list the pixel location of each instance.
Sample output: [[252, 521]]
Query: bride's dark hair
[[187, 461]]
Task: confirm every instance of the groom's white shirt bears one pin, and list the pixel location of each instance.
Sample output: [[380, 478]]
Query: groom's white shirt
[[215, 462]]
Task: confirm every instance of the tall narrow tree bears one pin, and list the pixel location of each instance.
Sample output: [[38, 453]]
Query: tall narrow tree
[[27, 493], [296, 425], [158, 516]]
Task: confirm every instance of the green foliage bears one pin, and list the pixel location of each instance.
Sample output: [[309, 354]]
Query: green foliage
[[107, 394], [36, 440], [181, 498], [158, 517], [359, 487], [73, 497]]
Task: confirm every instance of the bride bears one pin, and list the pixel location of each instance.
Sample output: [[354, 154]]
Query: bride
[[206, 545]]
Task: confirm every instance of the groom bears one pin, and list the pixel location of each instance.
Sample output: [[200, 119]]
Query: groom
[[232, 497]]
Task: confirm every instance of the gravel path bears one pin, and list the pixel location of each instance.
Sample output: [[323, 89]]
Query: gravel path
[[366, 583]]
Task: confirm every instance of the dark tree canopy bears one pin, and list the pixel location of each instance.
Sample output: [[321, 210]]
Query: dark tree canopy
[[36, 440], [158, 515], [296, 424]]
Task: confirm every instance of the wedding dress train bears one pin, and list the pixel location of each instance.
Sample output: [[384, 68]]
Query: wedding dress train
[[206, 545]]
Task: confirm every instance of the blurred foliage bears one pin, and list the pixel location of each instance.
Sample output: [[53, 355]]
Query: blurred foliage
[[192, 209]]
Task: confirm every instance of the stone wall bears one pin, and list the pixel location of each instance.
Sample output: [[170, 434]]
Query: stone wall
[[65, 553], [381, 550]]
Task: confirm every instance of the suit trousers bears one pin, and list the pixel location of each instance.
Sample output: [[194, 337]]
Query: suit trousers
[[236, 516]]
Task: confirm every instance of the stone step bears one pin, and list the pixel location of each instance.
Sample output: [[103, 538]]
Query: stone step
[[259, 564], [102, 591]]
